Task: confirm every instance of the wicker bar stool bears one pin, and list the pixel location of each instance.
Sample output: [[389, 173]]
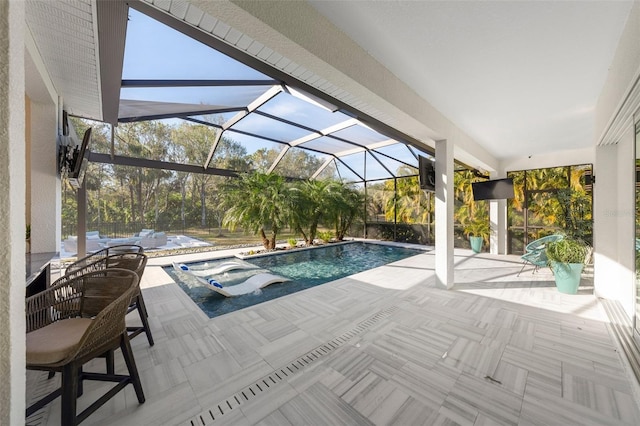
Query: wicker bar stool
[[80, 264], [127, 257], [77, 319]]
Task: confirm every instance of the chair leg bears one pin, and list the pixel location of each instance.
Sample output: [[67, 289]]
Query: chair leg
[[144, 306], [80, 383], [127, 353], [110, 360], [69, 394], [142, 310], [522, 269]]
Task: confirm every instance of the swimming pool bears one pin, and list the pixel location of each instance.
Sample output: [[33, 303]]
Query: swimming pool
[[305, 269]]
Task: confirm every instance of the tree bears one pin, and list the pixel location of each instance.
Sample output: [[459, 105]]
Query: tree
[[258, 202], [343, 207], [296, 163], [147, 139], [311, 202], [195, 141], [407, 203], [472, 215]]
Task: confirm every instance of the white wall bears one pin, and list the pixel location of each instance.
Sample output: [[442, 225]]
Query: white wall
[[623, 73], [12, 211], [614, 210], [557, 159], [614, 203], [45, 184]]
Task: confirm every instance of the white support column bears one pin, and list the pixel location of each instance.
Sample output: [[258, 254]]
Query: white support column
[[444, 214], [498, 221], [45, 184], [12, 210], [81, 204]]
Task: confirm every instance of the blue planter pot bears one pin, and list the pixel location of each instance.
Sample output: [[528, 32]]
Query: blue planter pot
[[476, 244], [567, 276]]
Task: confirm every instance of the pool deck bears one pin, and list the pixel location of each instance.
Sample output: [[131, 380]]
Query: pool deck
[[383, 346]]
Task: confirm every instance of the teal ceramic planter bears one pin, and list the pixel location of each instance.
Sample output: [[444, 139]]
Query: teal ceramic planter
[[476, 244], [567, 276]]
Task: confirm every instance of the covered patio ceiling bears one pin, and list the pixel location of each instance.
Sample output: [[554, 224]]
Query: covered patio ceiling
[[174, 76], [171, 71], [523, 79]]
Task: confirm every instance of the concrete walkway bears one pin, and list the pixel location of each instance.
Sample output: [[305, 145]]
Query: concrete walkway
[[380, 347]]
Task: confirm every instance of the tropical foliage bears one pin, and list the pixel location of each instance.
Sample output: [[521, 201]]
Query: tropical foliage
[[259, 202], [551, 200], [123, 195], [472, 215], [546, 199]]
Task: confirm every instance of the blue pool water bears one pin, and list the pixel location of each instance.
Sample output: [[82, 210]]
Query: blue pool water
[[305, 268]]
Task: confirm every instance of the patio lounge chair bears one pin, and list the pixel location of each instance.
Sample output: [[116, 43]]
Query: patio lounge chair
[[252, 284], [207, 272], [535, 252], [94, 242], [73, 321], [153, 240]]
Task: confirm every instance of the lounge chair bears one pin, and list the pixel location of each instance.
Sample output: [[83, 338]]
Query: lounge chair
[[94, 242], [153, 240], [535, 253], [253, 283], [207, 272]]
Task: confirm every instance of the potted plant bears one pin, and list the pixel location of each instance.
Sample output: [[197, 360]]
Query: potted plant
[[477, 230], [566, 258]]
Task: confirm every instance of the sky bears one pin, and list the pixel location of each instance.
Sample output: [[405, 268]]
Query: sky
[[156, 51]]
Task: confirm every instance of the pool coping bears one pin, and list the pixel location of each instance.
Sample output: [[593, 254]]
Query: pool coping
[[224, 254]]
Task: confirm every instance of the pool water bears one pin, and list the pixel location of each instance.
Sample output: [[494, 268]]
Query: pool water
[[305, 269]]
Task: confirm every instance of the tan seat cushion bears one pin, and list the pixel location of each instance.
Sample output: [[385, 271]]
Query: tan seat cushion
[[56, 341]]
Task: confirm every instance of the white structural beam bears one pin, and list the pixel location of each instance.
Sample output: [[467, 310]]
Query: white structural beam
[[498, 221], [444, 214], [254, 105]]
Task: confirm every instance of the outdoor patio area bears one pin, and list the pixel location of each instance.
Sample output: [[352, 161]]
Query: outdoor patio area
[[169, 242], [380, 347]]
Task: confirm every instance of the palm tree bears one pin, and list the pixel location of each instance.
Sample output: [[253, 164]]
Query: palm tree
[[342, 208], [312, 200], [257, 202]]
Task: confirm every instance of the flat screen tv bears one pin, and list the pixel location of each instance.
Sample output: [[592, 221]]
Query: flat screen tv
[[426, 174], [80, 161], [493, 189]]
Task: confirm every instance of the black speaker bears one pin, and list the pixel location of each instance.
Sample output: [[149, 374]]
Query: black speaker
[[426, 174]]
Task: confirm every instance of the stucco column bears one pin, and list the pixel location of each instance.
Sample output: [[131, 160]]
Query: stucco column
[[12, 211], [498, 221], [444, 214], [45, 184]]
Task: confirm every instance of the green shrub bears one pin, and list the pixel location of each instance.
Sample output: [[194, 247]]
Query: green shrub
[[325, 235], [567, 250]]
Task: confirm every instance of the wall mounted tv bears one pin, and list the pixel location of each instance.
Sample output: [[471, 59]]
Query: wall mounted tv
[[493, 189], [426, 174], [80, 161]]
